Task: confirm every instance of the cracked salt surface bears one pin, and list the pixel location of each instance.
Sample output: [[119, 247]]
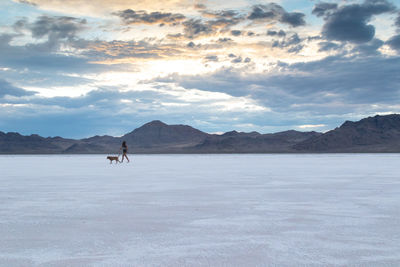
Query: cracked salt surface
[[200, 210]]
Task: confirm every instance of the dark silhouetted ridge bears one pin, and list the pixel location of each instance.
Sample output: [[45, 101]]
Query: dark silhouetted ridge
[[372, 134]]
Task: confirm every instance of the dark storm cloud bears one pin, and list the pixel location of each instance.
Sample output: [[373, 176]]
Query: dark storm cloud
[[274, 12], [296, 49], [93, 112], [293, 43], [328, 46], [130, 16], [56, 29], [211, 23], [350, 22], [322, 8], [236, 32], [314, 87], [280, 33], [397, 22], [394, 42], [224, 40], [96, 112], [237, 60], [5, 39], [195, 27], [33, 65], [294, 19], [211, 58], [370, 48], [222, 14], [33, 57], [8, 89]]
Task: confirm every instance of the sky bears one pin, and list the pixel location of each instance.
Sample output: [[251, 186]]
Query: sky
[[80, 68]]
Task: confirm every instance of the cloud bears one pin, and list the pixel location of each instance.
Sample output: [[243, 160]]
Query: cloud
[[323, 8], [279, 33], [394, 42], [294, 19], [236, 32], [334, 87], [225, 40], [195, 27], [350, 22], [200, 6], [33, 57], [191, 45], [130, 16], [126, 50], [274, 12], [58, 58], [111, 111], [27, 2], [328, 46], [8, 89], [310, 126], [293, 43], [237, 60], [5, 39], [222, 14], [38, 66], [56, 29], [102, 8], [211, 58], [370, 48]]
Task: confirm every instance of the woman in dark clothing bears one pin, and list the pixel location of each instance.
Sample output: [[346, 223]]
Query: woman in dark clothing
[[124, 149]]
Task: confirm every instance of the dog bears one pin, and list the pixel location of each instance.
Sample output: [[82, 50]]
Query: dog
[[111, 158]]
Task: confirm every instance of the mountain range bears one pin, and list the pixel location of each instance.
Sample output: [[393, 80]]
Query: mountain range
[[372, 134]]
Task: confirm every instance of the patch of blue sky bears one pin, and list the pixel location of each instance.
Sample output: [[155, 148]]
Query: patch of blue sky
[[10, 11]]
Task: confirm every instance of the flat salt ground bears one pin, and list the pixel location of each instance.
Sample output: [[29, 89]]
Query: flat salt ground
[[200, 210]]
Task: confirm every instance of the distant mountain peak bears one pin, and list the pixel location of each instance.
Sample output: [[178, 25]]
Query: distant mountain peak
[[155, 123], [231, 133], [380, 133], [240, 134]]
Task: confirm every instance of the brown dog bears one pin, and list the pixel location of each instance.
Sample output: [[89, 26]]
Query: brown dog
[[113, 158]]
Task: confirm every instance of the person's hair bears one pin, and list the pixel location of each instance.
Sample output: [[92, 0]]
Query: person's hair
[[123, 143]]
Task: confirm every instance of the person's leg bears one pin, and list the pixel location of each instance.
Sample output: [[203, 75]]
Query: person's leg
[[126, 157]]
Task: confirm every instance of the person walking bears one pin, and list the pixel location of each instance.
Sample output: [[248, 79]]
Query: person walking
[[124, 149]]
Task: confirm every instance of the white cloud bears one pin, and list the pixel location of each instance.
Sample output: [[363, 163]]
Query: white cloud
[[106, 7], [307, 126]]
